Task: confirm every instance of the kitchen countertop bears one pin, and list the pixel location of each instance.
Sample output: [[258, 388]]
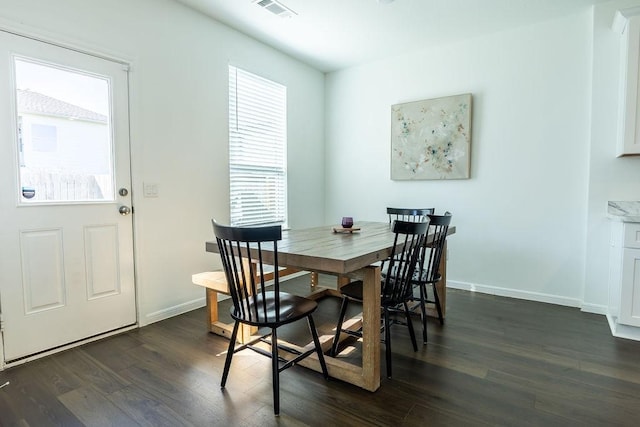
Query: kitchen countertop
[[625, 211]]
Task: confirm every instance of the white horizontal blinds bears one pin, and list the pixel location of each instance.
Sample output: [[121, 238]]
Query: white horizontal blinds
[[257, 149]]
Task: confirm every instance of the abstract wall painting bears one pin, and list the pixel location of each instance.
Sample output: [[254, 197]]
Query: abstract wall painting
[[431, 139]]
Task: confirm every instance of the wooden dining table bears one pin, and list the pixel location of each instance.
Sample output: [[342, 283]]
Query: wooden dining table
[[347, 255]]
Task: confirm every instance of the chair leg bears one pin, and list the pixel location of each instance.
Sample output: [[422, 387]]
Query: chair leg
[[387, 341], [275, 371], [412, 334], [423, 310], [336, 338], [438, 307], [316, 340], [230, 351]]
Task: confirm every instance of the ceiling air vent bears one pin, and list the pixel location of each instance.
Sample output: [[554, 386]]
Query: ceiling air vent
[[276, 8]]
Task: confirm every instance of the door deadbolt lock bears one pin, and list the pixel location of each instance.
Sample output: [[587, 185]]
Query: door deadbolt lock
[[123, 192], [124, 210]]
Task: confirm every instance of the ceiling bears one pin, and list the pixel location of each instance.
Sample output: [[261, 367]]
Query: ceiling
[[335, 34]]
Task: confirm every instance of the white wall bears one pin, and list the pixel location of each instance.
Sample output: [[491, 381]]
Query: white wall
[[178, 107], [531, 220], [521, 217], [610, 178]]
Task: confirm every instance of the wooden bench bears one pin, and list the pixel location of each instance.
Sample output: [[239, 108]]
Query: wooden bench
[[215, 283]]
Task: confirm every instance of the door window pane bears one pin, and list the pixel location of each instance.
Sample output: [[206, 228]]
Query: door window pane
[[64, 134]]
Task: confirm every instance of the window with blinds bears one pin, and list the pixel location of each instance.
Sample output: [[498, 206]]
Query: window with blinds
[[257, 149]]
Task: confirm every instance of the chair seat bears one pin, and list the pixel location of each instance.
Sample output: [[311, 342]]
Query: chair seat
[[424, 277], [292, 308], [418, 277], [354, 291]]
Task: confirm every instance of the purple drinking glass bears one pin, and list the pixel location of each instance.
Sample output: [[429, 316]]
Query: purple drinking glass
[[347, 222]]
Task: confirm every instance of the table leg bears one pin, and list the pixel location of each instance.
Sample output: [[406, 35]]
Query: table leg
[[366, 376], [371, 328], [441, 286], [246, 331], [341, 281]]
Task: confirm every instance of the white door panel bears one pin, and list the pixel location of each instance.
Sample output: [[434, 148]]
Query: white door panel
[[66, 253]]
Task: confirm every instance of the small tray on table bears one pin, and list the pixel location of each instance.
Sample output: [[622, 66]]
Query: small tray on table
[[345, 230]]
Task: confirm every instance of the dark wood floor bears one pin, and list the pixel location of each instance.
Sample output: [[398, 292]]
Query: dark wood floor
[[497, 361]]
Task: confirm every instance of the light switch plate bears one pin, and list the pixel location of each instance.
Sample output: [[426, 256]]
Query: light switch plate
[[150, 190]]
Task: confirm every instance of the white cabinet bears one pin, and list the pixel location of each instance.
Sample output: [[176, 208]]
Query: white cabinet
[[624, 286], [627, 22], [630, 288]]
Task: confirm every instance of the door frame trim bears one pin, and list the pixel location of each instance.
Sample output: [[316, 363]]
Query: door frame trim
[[60, 41]]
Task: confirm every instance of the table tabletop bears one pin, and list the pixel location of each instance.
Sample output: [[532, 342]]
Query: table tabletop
[[323, 250]]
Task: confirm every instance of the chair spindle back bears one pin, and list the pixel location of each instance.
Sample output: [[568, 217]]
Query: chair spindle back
[[408, 242], [409, 214], [242, 259], [434, 247]]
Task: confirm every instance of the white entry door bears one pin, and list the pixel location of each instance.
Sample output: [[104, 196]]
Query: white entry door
[[66, 238]]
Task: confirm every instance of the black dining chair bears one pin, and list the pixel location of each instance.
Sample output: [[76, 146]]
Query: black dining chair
[[427, 273], [409, 214], [255, 303], [396, 289]]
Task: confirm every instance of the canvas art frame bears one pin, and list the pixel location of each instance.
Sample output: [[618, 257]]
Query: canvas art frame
[[431, 139]]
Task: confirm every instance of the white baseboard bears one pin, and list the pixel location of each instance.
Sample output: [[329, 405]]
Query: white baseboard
[[594, 308], [173, 311], [515, 293], [466, 286], [527, 295]]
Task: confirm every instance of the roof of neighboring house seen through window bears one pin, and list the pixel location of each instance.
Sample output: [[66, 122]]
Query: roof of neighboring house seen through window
[[37, 103]]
